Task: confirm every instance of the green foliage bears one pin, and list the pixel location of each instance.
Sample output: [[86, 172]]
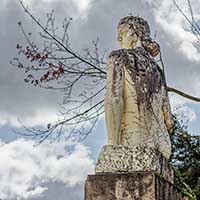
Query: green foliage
[[186, 161]]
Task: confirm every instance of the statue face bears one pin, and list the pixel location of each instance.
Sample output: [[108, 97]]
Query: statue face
[[127, 38]]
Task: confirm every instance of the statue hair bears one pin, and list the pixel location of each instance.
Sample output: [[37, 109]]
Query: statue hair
[[142, 29]]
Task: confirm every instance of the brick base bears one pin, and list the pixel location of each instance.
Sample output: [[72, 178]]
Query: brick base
[[130, 186]]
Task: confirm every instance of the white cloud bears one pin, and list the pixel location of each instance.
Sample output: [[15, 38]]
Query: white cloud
[[182, 109], [24, 169], [77, 8], [82, 5], [39, 117], [175, 25]]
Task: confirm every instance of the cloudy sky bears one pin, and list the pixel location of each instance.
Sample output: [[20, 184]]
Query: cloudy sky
[[52, 171]]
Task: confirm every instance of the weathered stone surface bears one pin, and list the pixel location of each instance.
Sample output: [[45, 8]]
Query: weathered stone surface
[[131, 186], [122, 159]]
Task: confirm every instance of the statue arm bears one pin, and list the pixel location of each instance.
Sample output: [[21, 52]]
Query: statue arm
[[114, 103], [168, 119]]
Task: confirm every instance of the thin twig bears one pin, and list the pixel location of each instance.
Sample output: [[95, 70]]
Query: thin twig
[[53, 37]]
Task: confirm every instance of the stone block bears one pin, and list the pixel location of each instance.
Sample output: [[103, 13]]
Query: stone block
[[130, 186], [123, 159]]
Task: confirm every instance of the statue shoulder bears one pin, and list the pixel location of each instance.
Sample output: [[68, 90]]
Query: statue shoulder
[[118, 56], [116, 53]]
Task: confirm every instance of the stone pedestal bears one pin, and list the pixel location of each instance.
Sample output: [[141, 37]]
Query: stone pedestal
[[131, 173], [123, 159], [130, 186]]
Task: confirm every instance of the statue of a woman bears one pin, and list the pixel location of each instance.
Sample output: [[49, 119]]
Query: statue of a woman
[[136, 104]]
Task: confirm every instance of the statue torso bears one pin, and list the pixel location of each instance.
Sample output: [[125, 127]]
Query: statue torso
[[142, 120]]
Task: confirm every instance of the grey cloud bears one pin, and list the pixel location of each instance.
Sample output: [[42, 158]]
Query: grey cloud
[[17, 98]]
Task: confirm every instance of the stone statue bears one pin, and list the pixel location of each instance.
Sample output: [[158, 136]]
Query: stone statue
[[136, 104], [134, 164]]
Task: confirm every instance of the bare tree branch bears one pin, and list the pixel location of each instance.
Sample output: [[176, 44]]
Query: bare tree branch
[[170, 89], [60, 43], [193, 25]]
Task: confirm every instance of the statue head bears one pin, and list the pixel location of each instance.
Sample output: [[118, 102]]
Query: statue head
[[132, 31], [135, 31]]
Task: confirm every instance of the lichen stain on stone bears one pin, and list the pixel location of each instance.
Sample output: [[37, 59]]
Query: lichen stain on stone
[[145, 76]]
